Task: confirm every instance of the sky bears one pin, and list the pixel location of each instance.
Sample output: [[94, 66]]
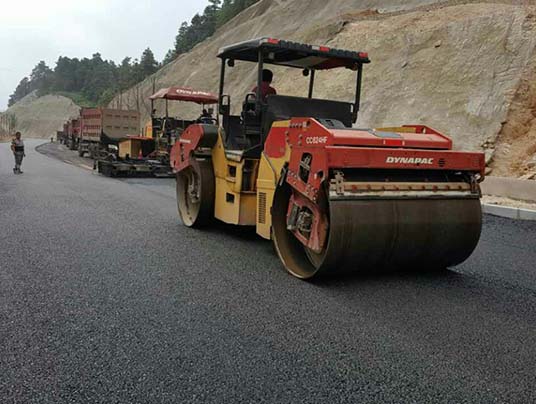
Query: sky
[[34, 30]]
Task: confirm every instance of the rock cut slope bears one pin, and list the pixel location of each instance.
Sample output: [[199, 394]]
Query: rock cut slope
[[456, 65]]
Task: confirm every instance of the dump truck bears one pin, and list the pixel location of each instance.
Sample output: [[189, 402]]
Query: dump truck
[[102, 127], [73, 133], [333, 198], [64, 133], [148, 155]]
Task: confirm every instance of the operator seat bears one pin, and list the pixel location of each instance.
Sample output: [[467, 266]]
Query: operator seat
[[251, 121]]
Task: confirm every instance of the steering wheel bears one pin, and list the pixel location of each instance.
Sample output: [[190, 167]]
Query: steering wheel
[[207, 120]]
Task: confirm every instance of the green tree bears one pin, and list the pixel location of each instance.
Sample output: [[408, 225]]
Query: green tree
[[148, 63], [124, 74], [181, 40], [65, 74], [226, 12], [23, 89], [95, 80], [231, 8], [41, 78], [170, 57], [101, 76], [204, 25], [106, 96]]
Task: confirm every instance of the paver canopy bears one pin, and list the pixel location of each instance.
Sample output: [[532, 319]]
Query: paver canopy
[[185, 94]]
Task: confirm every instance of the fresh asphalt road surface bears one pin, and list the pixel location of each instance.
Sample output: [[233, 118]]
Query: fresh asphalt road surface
[[106, 298]]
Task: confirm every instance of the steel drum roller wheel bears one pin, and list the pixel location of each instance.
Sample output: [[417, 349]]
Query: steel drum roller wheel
[[292, 253], [381, 235], [195, 193]]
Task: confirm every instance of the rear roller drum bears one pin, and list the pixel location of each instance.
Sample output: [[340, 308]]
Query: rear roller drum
[[195, 193], [381, 235], [297, 258]]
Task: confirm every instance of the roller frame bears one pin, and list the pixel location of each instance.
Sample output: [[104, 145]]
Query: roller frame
[[334, 233]]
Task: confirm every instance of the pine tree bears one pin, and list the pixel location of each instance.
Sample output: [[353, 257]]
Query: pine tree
[[96, 80], [124, 74], [23, 89], [41, 78], [148, 63], [170, 57]]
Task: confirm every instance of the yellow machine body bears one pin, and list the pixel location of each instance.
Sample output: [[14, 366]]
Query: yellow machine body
[[129, 148], [148, 129], [269, 173], [245, 187], [235, 198]]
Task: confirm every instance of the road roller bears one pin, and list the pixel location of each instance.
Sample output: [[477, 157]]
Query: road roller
[[332, 197]]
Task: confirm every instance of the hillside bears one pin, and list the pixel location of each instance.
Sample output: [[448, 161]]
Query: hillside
[[458, 66], [467, 68], [41, 117]]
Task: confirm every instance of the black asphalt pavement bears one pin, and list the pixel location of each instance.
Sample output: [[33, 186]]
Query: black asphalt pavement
[[106, 298]]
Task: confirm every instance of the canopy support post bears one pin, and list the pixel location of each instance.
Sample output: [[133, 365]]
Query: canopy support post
[[357, 92], [311, 83], [258, 96]]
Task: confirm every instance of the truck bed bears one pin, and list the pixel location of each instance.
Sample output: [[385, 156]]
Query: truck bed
[[113, 123]]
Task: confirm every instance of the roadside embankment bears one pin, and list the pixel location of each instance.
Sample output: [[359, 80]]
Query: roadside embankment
[[524, 190], [509, 197]]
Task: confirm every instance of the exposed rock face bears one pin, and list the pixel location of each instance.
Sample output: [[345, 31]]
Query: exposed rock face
[[454, 65], [311, 20], [41, 117], [455, 68], [516, 146]]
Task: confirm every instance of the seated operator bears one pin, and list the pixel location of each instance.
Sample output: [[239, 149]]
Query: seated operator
[[206, 116], [266, 88]]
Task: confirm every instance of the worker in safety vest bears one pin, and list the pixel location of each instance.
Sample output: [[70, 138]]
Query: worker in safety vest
[[17, 147]]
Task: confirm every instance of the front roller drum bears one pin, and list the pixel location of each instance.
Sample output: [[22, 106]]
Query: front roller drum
[[381, 235], [195, 193]]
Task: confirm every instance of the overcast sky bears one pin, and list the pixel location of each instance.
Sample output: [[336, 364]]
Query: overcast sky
[[34, 30]]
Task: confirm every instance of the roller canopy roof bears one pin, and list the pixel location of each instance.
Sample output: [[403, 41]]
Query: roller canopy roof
[[293, 54], [185, 94]]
